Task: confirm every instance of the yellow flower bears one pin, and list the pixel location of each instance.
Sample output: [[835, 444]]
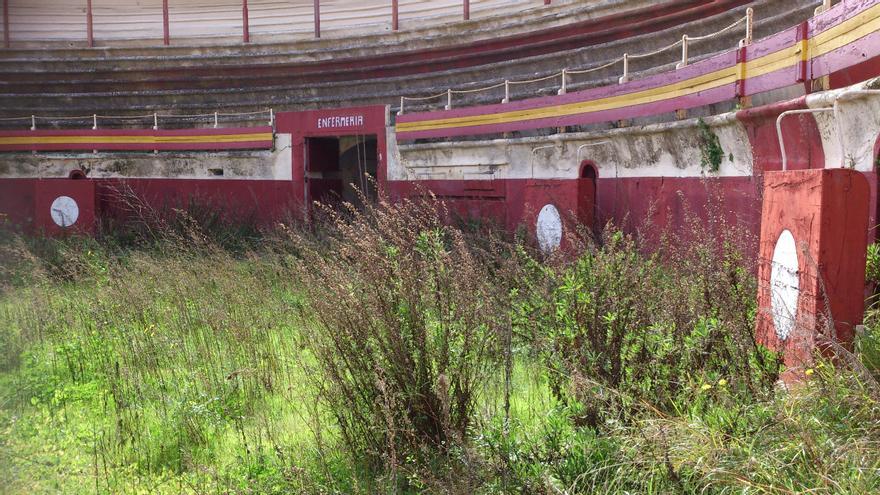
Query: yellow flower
[[809, 372], [705, 387], [722, 382]]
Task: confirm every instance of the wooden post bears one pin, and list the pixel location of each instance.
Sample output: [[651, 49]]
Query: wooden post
[[546, 2], [317, 18], [6, 23], [166, 31], [245, 31], [395, 19], [89, 32], [466, 4]]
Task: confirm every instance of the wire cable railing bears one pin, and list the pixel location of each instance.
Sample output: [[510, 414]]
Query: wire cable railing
[[564, 74]]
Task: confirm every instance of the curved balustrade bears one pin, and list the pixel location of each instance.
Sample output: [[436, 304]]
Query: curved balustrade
[[117, 21]]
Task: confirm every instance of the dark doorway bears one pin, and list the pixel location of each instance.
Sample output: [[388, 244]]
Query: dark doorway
[[586, 214], [339, 168]]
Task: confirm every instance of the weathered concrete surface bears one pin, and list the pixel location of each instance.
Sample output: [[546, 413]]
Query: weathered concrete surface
[[657, 150]]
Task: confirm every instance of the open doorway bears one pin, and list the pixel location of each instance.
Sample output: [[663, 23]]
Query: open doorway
[[586, 212], [337, 168]]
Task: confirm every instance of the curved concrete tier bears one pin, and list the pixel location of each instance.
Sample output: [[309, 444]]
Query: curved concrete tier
[[136, 81]]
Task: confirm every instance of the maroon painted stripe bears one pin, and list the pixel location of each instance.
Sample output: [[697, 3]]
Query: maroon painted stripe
[[170, 146], [846, 9]]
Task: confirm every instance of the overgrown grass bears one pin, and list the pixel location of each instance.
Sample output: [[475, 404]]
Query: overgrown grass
[[383, 351]]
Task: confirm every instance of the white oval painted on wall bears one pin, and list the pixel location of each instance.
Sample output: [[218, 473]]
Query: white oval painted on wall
[[549, 228], [64, 211], [784, 285]]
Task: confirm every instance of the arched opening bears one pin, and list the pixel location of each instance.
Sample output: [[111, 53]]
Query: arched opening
[[586, 214]]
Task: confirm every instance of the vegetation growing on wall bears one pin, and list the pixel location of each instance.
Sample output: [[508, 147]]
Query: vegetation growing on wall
[[386, 352], [711, 153]]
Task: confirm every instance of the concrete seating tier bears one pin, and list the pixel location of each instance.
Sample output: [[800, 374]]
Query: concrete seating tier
[[243, 78]]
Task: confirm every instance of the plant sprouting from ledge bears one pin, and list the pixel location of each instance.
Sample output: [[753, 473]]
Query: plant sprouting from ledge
[[711, 153]]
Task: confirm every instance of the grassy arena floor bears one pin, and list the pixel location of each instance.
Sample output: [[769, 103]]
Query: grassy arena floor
[[143, 371]]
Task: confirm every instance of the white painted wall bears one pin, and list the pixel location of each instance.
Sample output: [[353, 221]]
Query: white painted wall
[[859, 122]]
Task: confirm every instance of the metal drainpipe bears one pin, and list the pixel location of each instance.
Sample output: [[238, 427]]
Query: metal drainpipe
[[779, 128]]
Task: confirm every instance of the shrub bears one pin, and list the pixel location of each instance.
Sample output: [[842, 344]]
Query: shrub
[[622, 329], [403, 317]]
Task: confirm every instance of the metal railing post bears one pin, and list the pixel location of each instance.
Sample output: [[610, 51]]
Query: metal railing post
[[625, 77], [750, 26], [90, 35], [564, 88], [684, 53], [245, 28], [449, 99], [317, 18], [400, 112], [506, 92], [166, 28]]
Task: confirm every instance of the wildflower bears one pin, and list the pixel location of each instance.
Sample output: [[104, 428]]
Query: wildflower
[[809, 372], [705, 387], [722, 382]]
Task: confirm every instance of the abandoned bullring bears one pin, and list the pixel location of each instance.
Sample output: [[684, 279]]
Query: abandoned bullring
[[440, 246]]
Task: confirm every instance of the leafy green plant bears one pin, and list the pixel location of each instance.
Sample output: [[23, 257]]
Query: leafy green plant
[[711, 153]]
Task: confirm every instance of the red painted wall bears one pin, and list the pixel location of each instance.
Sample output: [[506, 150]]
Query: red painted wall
[[18, 202], [25, 204], [263, 201], [827, 213]]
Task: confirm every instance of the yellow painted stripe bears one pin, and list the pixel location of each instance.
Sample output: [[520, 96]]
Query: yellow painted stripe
[[134, 139], [844, 33]]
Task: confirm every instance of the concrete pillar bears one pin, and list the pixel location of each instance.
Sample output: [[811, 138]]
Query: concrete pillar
[[814, 235]]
